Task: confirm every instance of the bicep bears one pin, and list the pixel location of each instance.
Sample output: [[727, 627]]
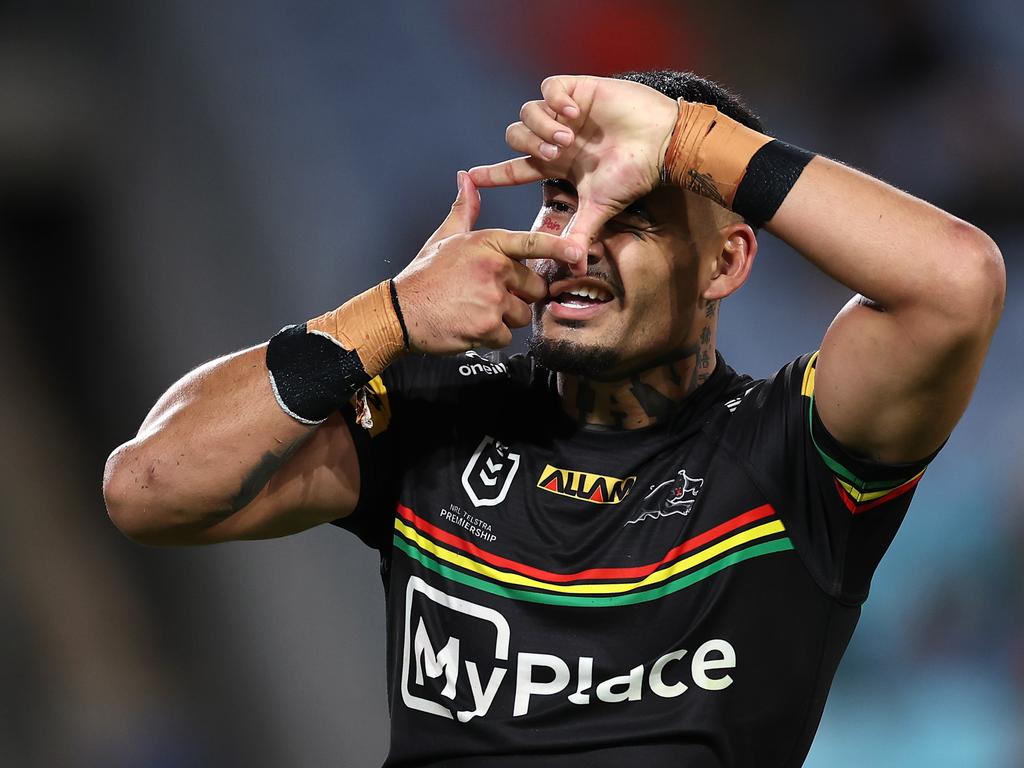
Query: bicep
[[891, 387], [318, 483]]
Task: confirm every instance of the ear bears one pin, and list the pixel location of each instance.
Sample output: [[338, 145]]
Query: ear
[[732, 264]]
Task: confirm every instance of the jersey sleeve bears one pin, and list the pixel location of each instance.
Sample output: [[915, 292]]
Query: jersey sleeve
[[406, 411], [378, 416], [842, 510]]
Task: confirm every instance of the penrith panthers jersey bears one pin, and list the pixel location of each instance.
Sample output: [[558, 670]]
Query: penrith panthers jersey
[[678, 595]]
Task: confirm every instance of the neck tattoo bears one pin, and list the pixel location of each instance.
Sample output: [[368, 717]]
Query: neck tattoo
[[648, 396]]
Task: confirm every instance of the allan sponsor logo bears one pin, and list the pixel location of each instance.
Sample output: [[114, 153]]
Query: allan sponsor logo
[[597, 489], [672, 497], [457, 658]]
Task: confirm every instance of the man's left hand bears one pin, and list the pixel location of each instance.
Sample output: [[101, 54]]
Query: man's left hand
[[607, 137]]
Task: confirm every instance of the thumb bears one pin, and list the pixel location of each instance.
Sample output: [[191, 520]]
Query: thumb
[[464, 210]]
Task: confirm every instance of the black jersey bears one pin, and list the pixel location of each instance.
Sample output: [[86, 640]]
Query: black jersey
[[678, 595]]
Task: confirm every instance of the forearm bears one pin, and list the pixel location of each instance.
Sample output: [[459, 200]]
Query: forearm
[[204, 451], [907, 256], [209, 462], [252, 445], [896, 367]]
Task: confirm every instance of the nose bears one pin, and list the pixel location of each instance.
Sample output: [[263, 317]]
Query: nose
[[595, 252]]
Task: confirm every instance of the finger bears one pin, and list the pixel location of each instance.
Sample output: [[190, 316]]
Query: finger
[[542, 121], [520, 170], [585, 225], [516, 313], [500, 337], [525, 283], [548, 109], [534, 245], [522, 139], [557, 93], [464, 210]]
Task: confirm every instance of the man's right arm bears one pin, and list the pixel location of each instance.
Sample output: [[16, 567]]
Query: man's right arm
[[218, 458]]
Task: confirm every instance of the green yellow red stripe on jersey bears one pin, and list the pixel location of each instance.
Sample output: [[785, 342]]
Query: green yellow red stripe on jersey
[[754, 533], [857, 494]]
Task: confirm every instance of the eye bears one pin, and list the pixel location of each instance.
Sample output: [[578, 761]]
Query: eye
[[638, 233], [558, 206]]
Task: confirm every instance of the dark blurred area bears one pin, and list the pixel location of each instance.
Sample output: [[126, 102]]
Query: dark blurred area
[[180, 179]]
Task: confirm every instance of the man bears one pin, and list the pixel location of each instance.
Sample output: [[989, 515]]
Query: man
[[616, 548]]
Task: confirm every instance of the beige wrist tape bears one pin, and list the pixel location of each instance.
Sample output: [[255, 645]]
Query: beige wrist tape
[[368, 325], [708, 152]]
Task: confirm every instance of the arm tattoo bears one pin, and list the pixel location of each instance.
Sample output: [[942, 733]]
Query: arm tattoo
[[705, 186], [260, 475]]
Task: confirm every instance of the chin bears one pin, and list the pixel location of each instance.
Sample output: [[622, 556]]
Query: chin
[[574, 357]]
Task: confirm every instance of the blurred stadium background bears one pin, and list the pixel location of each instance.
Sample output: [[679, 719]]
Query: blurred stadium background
[[181, 178]]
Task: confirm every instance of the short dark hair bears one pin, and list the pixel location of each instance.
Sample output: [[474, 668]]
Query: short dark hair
[[693, 87]]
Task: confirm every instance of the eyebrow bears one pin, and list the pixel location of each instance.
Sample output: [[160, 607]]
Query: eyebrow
[[560, 184], [637, 209]]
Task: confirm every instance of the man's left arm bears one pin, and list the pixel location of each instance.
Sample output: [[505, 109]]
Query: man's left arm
[[898, 364]]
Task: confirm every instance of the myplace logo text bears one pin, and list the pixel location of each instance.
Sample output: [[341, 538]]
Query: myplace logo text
[[489, 473], [457, 660]]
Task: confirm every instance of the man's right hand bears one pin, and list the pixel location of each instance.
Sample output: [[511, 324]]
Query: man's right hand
[[468, 289], [217, 459]]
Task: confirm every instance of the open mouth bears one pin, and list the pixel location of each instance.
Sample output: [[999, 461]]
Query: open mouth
[[583, 296], [578, 300]]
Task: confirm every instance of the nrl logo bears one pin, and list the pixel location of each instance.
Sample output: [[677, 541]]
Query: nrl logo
[[672, 497], [489, 473]]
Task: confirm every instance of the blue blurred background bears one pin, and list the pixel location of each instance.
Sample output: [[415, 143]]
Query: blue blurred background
[[180, 179]]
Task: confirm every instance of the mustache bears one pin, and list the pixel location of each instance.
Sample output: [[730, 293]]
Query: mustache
[[560, 272]]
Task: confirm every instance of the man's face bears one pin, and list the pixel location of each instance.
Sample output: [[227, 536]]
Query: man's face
[[646, 271]]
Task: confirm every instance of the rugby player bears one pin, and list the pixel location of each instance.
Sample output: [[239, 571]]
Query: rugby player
[[615, 548]]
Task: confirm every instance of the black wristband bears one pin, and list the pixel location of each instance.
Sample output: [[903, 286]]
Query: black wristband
[[771, 173], [311, 374], [398, 311]]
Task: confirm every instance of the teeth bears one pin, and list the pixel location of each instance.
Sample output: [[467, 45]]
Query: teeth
[[589, 292]]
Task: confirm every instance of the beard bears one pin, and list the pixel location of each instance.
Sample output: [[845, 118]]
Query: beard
[[589, 360]]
